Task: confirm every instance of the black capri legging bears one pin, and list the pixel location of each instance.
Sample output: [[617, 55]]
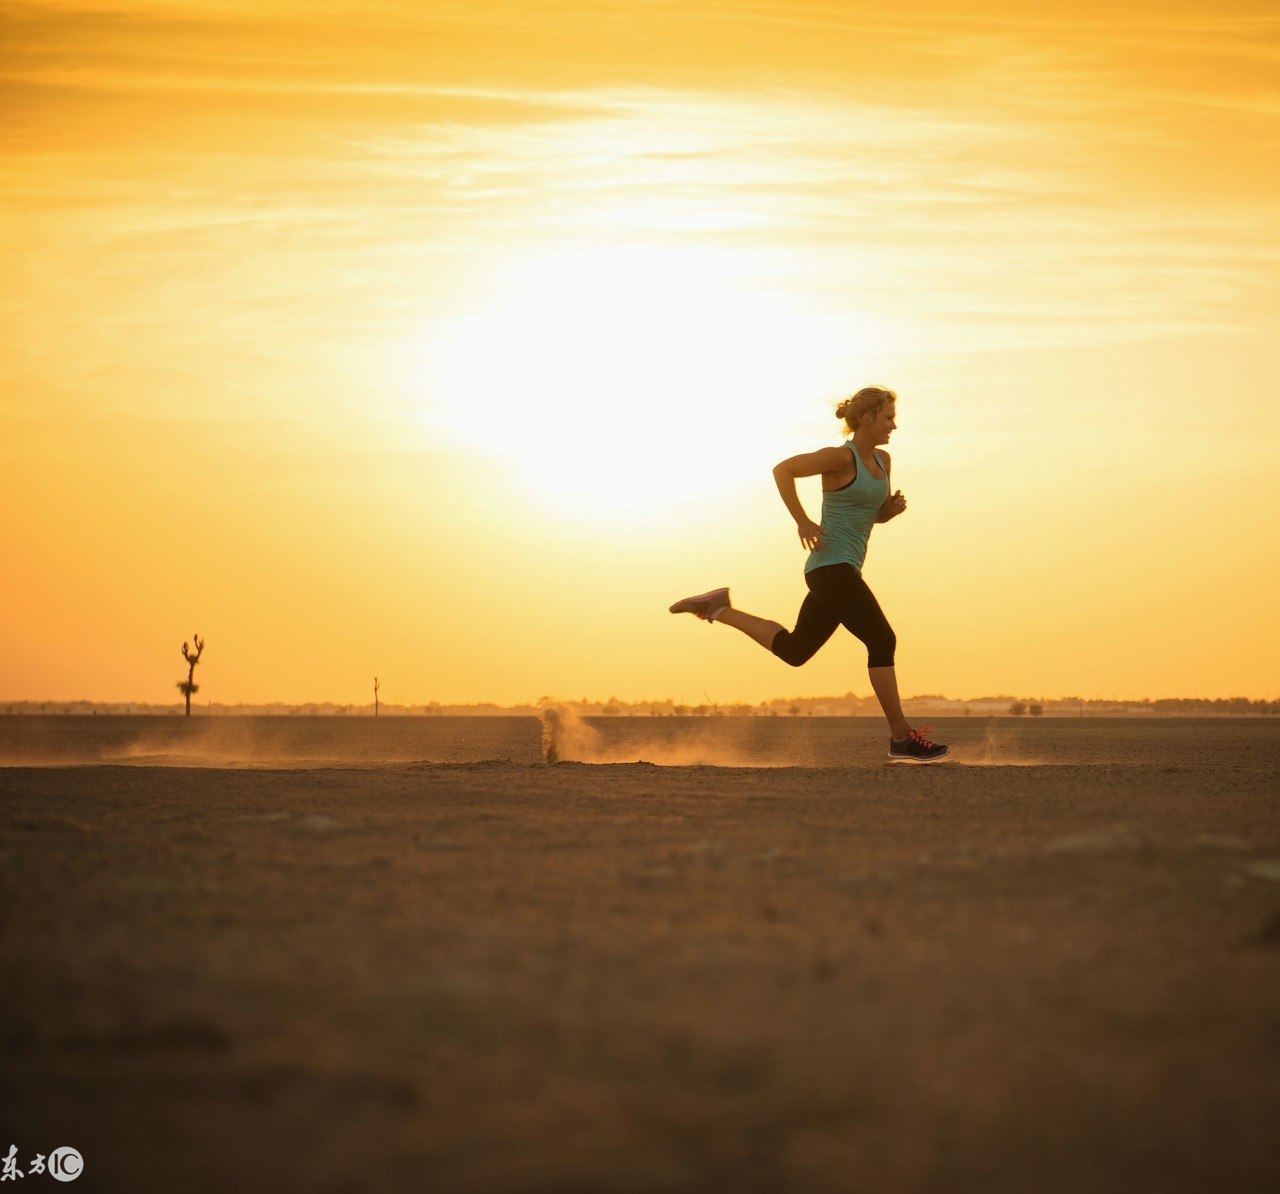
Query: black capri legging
[[838, 596]]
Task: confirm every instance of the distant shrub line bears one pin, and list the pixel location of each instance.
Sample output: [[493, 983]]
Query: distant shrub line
[[848, 705]]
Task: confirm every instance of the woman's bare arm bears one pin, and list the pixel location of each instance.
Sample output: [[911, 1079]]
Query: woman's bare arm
[[808, 464]]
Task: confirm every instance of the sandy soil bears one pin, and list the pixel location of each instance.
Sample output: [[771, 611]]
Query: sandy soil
[[521, 977]]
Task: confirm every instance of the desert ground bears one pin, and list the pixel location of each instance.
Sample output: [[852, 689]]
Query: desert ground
[[304, 957]]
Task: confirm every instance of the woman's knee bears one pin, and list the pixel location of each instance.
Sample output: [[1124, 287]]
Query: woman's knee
[[790, 650], [881, 646]]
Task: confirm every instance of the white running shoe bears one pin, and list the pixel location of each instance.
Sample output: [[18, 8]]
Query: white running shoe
[[707, 606]]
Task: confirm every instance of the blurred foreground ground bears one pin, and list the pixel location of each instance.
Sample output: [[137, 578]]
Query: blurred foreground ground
[[510, 976]]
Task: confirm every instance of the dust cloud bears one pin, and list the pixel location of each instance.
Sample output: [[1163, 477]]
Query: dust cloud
[[263, 742], [567, 738], [999, 748]]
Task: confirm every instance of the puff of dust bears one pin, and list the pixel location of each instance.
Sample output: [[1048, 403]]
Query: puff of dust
[[567, 738], [998, 749], [207, 742], [704, 751], [219, 744]]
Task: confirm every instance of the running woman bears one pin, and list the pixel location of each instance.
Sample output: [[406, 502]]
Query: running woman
[[855, 496]]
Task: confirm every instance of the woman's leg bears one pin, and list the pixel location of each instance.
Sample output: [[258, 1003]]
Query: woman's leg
[[884, 680], [760, 629], [846, 594], [814, 626]]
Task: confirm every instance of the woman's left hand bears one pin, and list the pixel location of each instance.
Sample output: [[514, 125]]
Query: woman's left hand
[[895, 504]]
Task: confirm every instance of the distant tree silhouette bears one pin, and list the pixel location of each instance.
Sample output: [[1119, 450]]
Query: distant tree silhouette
[[189, 685], [1017, 708], [1036, 710]]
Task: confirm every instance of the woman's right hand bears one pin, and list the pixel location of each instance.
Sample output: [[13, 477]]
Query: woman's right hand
[[811, 534]]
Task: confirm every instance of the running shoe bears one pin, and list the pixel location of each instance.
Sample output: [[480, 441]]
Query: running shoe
[[705, 605], [916, 748]]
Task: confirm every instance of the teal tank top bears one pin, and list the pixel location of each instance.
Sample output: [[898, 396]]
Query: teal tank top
[[848, 515]]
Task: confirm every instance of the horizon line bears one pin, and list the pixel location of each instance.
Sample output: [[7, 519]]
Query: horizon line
[[7, 706]]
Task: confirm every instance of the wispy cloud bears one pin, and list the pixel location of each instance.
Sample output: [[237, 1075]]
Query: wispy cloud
[[992, 176]]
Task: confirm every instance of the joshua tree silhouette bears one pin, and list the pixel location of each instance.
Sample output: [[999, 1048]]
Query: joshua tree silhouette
[[189, 685]]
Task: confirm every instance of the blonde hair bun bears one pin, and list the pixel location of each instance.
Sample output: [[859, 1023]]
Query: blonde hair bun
[[868, 400]]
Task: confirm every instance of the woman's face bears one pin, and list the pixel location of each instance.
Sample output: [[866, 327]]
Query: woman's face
[[882, 424]]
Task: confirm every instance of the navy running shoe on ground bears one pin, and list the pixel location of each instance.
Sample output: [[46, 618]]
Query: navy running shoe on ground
[[916, 748], [705, 605]]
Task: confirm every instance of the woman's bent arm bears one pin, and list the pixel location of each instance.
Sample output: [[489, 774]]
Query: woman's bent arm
[[808, 464], [786, 483]]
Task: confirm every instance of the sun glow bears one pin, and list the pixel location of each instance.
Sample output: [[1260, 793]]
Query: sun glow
[[384, 304], [619, 381]]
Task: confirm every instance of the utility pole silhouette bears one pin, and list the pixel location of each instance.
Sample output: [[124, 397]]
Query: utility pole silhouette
[[375, 696], [189, 685]]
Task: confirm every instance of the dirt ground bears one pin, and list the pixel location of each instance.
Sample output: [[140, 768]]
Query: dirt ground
[[572, 977]]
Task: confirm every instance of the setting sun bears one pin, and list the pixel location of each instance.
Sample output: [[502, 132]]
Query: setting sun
[[617, 381]]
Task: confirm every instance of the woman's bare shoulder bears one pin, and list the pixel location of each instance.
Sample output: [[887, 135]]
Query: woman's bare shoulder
[[834, 459], [824, 460]]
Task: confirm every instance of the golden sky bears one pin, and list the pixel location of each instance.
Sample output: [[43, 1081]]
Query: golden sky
[[452, 343]]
